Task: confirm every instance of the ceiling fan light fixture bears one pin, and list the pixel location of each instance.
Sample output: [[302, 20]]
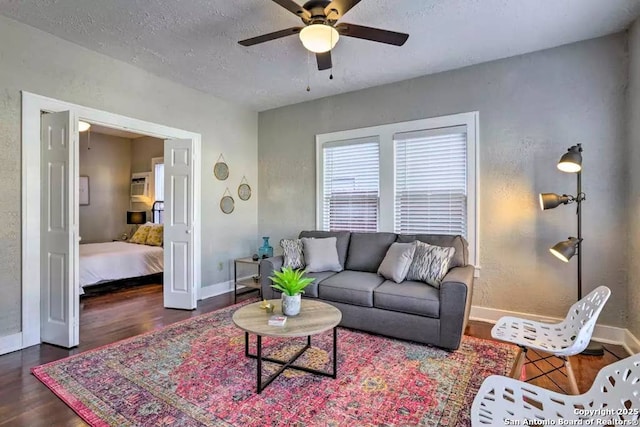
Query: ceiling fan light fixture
[[83, 126], [319, 38]]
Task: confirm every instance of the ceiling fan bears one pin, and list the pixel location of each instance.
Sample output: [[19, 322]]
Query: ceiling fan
[[321, 31]]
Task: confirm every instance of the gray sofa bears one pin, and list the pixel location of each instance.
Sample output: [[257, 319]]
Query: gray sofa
[[410, 310]]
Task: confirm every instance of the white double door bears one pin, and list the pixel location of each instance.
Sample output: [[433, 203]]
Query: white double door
[[59, 274]]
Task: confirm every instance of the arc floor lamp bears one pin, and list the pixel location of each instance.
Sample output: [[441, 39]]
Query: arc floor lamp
[[571, 162]]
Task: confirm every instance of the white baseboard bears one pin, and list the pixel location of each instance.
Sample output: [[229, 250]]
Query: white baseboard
[[632, 344], [10, 343], [215, 290], [602, 333]]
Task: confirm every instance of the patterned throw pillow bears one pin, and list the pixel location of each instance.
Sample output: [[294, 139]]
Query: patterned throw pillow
[[293, 256], [140, 236], [156, 233], [430, 263]]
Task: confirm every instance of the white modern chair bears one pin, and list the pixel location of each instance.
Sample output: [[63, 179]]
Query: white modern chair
[[564, 339], [614, 397]]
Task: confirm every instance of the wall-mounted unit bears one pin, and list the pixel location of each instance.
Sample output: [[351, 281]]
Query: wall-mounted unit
[[140, 186]]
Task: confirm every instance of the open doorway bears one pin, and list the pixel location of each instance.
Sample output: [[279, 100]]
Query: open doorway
[[121, 201], [181, 216]]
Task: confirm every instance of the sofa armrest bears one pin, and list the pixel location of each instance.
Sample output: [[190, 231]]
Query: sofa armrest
[[267, 267], [455, 304]]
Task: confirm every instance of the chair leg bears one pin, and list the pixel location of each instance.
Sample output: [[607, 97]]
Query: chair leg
[[571, 377], [518, 370]]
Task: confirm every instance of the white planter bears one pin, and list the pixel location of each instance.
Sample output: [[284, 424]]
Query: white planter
[[291, 305]]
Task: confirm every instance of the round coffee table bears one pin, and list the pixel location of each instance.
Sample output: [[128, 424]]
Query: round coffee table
[[315, 317]]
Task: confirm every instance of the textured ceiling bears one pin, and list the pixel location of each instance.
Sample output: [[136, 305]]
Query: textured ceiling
[[194, 42]]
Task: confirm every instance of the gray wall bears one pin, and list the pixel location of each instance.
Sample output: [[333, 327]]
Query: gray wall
[[41, 63], [106, 160], [633, 166], [142, 151], [532, 108]]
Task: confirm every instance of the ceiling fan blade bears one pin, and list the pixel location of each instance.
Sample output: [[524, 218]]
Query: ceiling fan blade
[[324, 60], [340, 7], [271, 36], [294, 8], [373, 34]]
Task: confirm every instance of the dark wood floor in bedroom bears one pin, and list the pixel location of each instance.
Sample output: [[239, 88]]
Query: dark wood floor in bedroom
[[107, 318]]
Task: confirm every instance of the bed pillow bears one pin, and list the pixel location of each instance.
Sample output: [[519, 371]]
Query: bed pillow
[[156, 233], [140, 236], [292, 253], [396, 262], [321, 254], [430, 263]]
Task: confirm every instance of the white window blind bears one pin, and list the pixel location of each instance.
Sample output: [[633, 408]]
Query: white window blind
[[351, 185], [159, 181], [431, 181]]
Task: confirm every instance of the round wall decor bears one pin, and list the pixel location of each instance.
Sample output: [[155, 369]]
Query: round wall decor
[[244, 190], [220, 169], [227, 204]]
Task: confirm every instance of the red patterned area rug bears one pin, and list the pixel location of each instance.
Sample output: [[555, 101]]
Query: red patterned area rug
[[195, 373]]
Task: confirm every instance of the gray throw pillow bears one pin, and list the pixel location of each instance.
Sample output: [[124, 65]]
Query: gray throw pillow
[[321, 254], [292, 253], [396, 262], [430, 263]]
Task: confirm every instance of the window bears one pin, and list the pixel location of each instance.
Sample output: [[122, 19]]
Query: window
[[351, 188], [431, 181], [409, 177], [157, 173]]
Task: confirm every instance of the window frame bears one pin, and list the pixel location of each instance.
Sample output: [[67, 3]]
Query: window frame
[[384, 134]]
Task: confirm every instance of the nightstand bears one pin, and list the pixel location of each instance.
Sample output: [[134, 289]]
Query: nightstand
[[245, 282]]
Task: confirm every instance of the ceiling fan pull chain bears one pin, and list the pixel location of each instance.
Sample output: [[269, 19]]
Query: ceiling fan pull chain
[[308, 72], [331, 44]]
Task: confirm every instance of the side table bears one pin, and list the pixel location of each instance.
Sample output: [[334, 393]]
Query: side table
[[247, 282]]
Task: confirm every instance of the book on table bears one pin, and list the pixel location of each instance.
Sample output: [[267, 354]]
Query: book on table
[[277, 320]]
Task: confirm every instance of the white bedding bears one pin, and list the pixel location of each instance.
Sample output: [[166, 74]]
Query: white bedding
[[100, 262]]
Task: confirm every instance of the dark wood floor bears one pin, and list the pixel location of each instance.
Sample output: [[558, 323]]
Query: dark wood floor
[[107, 318]]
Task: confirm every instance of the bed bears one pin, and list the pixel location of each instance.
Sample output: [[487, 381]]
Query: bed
[[106, 262]]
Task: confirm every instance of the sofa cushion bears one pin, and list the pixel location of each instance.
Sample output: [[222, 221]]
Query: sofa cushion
[[312, 289], [430, 263], [367, 250], [396, 262], [351, 287], [342, 241], [408, 297], [460, 258], [321, 254]]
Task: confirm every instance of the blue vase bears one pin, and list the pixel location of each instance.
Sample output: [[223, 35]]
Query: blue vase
[[265, 251]]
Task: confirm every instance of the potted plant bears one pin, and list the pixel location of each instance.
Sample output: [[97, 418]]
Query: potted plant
[[291, 283]]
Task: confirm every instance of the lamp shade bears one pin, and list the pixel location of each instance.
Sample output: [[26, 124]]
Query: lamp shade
[[571, 161], [552, 200], [319, 38], [136, 217], [566, 249]]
